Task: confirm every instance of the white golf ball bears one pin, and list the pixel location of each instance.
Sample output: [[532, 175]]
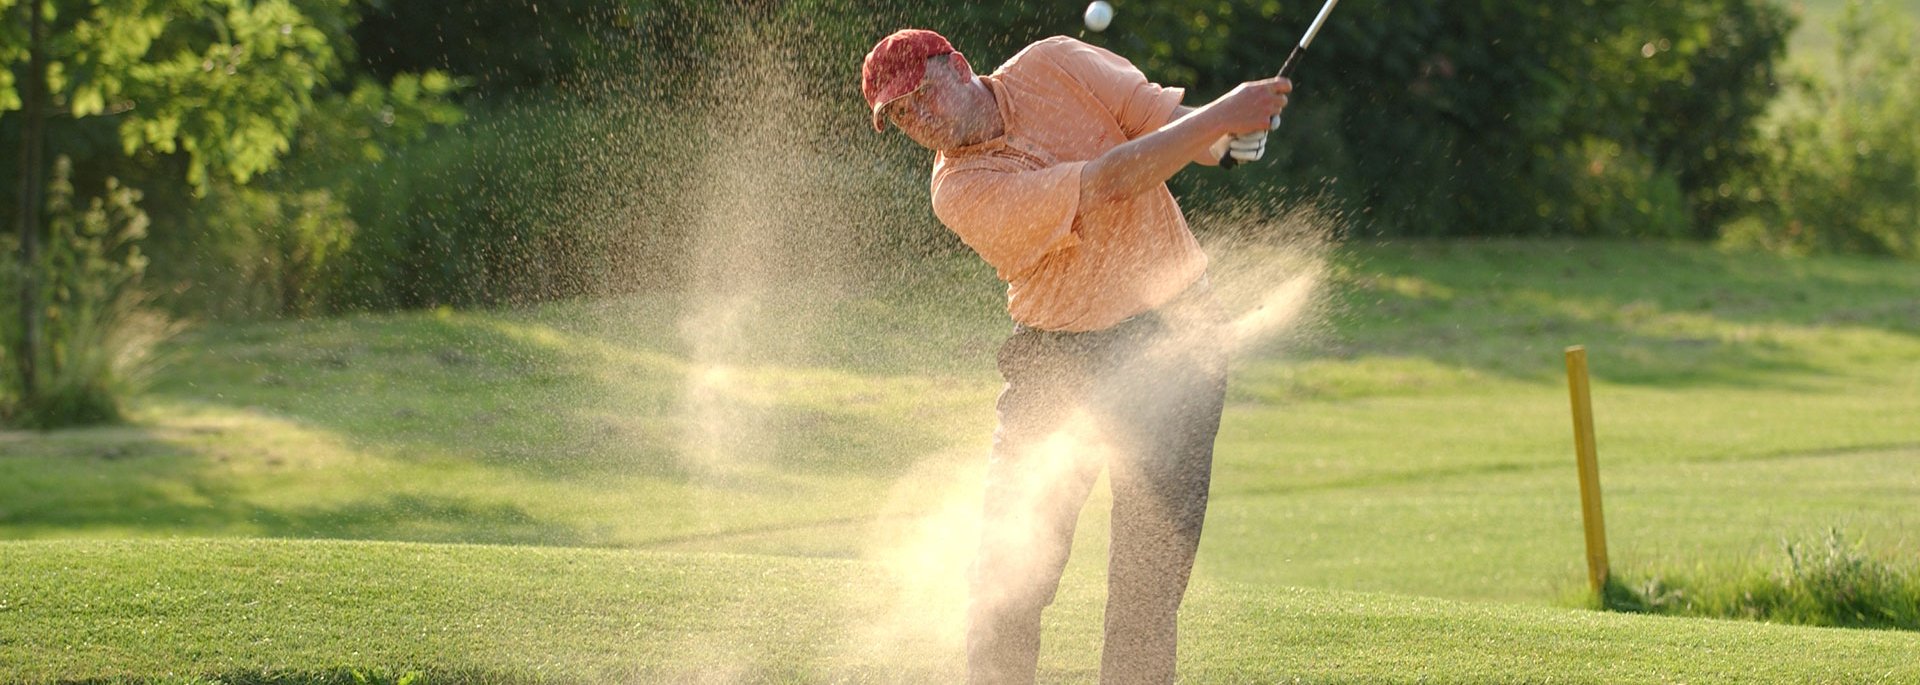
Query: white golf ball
[[1099, 14]]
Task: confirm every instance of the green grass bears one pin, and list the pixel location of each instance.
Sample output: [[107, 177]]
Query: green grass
[[1823, 582], [316, 611], [1413, 441]]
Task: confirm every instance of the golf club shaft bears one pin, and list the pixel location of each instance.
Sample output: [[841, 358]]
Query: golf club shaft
[[1293, 59], [1314, 28]]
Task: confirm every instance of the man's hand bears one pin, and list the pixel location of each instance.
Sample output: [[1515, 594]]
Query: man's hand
[[1143, 163], [1252, 107], [1246, 115]]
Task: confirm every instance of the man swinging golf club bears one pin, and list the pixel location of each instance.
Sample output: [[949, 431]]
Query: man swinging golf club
[[1053, 169]]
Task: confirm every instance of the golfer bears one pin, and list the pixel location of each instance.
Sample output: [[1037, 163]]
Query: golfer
[[1053, 169]]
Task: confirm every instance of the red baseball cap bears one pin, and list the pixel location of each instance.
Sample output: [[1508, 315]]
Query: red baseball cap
[[895, 66]]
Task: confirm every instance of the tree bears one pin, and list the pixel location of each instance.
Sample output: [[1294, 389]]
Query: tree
[[1447, 118], [33, 144], [220, 86]]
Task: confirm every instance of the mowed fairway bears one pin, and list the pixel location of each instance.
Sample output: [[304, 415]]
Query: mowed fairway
[[305, 611], [767, 473]]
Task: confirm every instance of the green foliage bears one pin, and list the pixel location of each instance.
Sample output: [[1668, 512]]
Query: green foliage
[[1419, 119], [98, 336], [1686, 88], [270, 251], [274, 247], [183, 99], [223, 82], [13, 50], [229, 84], [1837, 583], [467, 216], [1826, 582], [363, 124], [1844, 175], [1618, 191]]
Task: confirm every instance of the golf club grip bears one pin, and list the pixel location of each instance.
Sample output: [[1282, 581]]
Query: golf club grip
[[1286, 71]]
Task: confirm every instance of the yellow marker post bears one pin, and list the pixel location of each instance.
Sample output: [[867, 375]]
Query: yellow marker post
[[1589, 461]]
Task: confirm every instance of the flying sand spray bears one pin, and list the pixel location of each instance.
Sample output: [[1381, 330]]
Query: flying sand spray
[[1271, 273], [755, 299]]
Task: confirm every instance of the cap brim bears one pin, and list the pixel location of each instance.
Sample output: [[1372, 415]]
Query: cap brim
[[880, 120]]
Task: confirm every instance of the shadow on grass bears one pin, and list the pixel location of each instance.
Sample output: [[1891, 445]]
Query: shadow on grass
[[174, 506], [1652, 315], [252, 417], [570, 392]]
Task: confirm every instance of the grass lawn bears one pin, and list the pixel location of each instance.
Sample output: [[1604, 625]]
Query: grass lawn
[[300, 611], [1411, 440]]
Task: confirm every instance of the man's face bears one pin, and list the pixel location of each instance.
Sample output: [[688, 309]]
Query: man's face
[[932, 114]]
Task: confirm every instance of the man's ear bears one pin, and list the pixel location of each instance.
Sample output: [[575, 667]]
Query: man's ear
[[960, 65]]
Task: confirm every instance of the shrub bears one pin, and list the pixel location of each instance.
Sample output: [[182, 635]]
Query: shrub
[[614, 186], [1618, 191], [276, 245], [470, 215], [1828, 581], [262, 251]]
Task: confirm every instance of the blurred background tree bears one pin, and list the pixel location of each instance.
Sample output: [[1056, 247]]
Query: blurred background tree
[[1842, 172], [1483, 118]]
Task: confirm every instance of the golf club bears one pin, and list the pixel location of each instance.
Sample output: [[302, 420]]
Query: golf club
[[1286, 68]]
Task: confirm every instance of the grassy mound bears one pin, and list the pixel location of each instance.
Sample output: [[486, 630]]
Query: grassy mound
[[318, 611], [1414, 441]]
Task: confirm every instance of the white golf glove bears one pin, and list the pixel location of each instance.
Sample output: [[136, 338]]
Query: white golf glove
[[1246, 147]]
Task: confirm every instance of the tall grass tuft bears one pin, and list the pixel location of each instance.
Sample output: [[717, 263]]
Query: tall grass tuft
[[97, 333], [1824, 582]]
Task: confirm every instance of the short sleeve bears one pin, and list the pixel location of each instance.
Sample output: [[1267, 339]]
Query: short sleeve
[[1139, 105], [1011, 218]]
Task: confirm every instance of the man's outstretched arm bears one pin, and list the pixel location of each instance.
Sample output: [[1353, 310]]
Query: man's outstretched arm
[[1144, 163]]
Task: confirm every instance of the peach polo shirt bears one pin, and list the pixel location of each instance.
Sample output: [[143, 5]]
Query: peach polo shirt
[[1016, 199]]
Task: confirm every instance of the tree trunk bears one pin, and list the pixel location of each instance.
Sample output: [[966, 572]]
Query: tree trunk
[[33, 147]]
